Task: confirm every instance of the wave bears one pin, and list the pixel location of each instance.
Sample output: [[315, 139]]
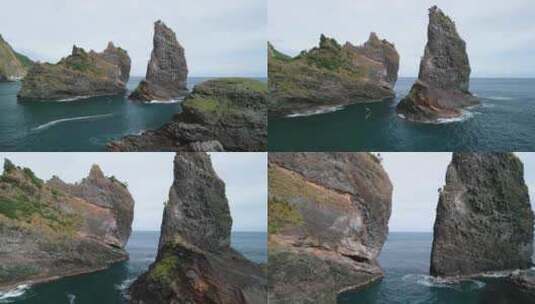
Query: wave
[[464, 116], [71, 298], [498, 98], [180, 99], [437, 282], [58, 121], [74, 98], [7, 297], [125, 284], [317, 112]]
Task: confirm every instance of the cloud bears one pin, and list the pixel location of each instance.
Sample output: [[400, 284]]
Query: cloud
[[499, 37]]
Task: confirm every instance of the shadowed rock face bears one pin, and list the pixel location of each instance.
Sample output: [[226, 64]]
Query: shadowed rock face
[[484, 219], [225, 114], [195, 263], [49, 231], [82, 74], [442, 88], [331, 75], [13, 66], [167, 71], [328, 221]]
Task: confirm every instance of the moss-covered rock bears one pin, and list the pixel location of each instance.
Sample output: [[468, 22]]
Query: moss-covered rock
[[13, 65], [331, 74]]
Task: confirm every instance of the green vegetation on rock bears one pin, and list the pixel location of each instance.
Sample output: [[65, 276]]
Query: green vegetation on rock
[[164, 269], [281, 215]]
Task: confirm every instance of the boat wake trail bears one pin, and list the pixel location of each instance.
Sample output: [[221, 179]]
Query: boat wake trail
[[8, 296], [63, 120]]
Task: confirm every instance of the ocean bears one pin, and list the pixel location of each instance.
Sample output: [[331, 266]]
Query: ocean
[[503, 122], [82, 125], [108, 286], [405, 261]]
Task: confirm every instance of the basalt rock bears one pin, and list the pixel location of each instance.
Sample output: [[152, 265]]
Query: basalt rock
[[195, 263], [82, 74], [167, 71], [442, 88], [227, 114], [328, 221], [523, 280], [48, 231], [331, 75], [484, 220], [13, 65]]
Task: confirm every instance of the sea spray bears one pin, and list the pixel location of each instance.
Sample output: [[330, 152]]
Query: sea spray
[[10, 295]]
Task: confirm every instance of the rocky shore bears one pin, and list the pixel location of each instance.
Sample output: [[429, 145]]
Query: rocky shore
[[167, 71], [442, 88], [13, 66], [484, 220], [328, 221], [225, 114], [331, 75], [80, 75], [49, 230], [195, 263]]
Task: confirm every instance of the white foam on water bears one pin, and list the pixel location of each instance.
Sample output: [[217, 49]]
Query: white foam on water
[[497, 274], [8, 296], [72, 298], [464, 116], [58, 121], [498, 98], [316, 112], [437, 282], [125, 284], [167, 101], [73, 98]]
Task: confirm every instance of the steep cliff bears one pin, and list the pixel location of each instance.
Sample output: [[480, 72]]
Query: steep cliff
[[484, 220], [442, 88], [82, 74], [195, 263], [328, 221], [331, 74], [167, 71], [227, 114], [48, 232], [13, 65]]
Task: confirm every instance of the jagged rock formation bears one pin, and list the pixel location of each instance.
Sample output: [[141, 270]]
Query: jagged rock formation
[[524, 280], [484, 220], [331, 75], [167, 71], [227, 114], [13, 65], [48, 231], [442, 88], [195, 263], [82, 74], [328, 221]]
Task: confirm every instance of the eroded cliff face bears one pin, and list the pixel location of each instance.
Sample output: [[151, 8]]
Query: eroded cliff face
[[82, 74], [225, 114], [13, 65], [48, 232], [484, 220], [328, 221], [195, 263], [442, 88], [167, 71], [331, 74]]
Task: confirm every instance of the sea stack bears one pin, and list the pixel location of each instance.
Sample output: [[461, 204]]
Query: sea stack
[[442, 88], [80, 75], [167, 71], [331, 75], [13, 65], [195, 263], [54, 229], [328, 221], [224, 114], [484, 220]]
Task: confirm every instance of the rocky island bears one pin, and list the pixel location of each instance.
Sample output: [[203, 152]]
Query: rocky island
[[328, 221], [167, 71], [80, 75], [195, 263], [442, 88], [13, 65], [225, 114], [331, 75], [50, 230], [484, 221]]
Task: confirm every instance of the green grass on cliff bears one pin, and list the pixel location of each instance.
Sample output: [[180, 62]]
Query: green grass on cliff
[[164, 269], [282, 214]]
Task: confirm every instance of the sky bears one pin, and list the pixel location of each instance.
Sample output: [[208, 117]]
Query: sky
[[416, 178], [221, 38], [150, 175], [499, 35]]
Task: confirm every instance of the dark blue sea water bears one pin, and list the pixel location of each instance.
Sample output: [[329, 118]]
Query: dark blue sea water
[[81, 125], [107, 287], [405, 260], [505, 121]]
